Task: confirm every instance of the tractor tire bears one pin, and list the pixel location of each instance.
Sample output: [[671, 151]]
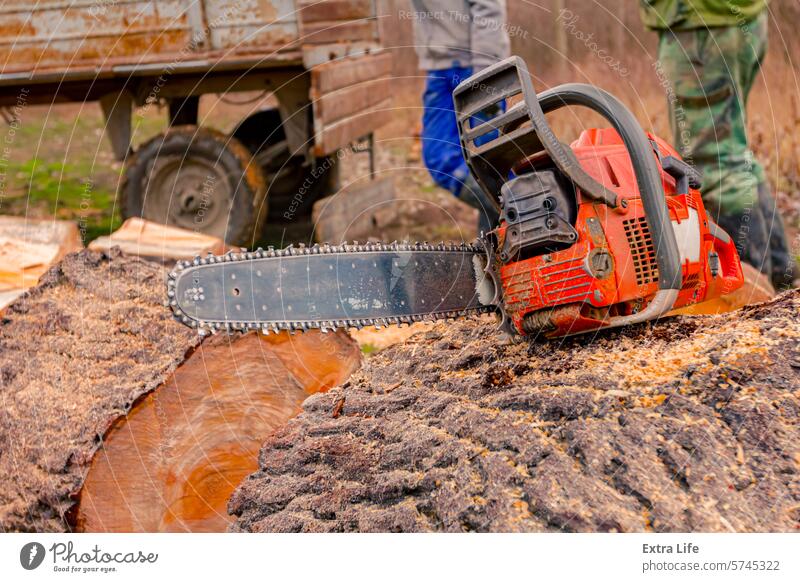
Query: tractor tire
[[198, 179], [294, 184]]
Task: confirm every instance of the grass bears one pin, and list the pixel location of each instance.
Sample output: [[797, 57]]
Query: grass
[[368, 349], [63, 190], [60, 165]]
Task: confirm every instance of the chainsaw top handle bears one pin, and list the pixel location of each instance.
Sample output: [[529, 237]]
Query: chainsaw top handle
[[522, 131]]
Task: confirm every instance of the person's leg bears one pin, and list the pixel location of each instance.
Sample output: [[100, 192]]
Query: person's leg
[[705, 68], [441, 148], [783, 267], [472, 194]]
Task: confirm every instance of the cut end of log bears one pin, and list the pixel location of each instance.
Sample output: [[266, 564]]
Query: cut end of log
[[142, 238], [172, 462]]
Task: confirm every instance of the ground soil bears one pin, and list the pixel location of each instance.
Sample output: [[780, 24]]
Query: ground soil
[[691, 424]]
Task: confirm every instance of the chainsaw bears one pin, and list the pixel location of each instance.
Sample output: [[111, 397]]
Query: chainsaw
[[607, 232]]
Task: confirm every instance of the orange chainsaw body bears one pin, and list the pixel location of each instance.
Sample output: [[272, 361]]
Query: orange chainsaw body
[[611, 269]]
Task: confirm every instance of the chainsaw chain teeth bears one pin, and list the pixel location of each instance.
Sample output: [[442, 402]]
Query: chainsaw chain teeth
[[207, 327]]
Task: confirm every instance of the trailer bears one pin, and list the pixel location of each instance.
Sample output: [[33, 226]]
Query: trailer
[[320, 59]]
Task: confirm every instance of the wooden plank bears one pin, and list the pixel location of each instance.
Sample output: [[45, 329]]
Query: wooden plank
[[157, 241], [349, 101], [88, 40], [352, 129], [355, 213], [327, 10], [29, 247], [339, 31], [76, 34], [338, 74], [315, 55], [241, 25], [8, 297], [21, 263], [343, 111]]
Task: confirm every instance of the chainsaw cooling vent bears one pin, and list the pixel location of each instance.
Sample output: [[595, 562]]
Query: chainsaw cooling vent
[[642, 250], [691, 281]]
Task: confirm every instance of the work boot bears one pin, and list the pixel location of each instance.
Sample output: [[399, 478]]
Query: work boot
[[473, 195], [783, 266], [750, 235]]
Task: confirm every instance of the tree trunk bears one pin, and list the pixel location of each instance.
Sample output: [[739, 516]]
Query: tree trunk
[[689, 424], [115, 418]]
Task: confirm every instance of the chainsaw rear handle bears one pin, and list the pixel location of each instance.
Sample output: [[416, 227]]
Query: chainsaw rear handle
[[685, 175]]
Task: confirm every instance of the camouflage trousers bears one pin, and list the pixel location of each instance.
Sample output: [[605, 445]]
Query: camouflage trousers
[[708, 74]]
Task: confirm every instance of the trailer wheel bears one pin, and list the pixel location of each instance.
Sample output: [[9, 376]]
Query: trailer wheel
[[198, 179], [293, 184]]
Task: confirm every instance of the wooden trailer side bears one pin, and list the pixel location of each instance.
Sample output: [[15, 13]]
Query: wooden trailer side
[[99, 37]]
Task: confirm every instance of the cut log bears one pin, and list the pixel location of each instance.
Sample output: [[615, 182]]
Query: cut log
[[107, 426], [27, 249], [172, 463], [689, 424], [150, 240]]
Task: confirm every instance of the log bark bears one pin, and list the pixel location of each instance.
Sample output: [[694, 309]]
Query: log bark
[[689, 424], [115, 418]]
